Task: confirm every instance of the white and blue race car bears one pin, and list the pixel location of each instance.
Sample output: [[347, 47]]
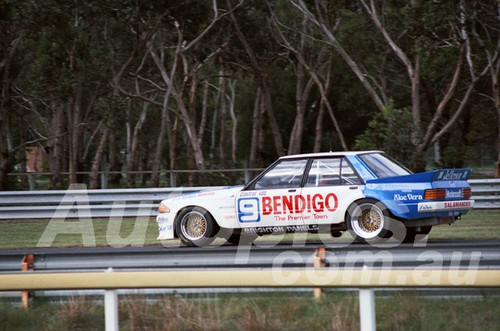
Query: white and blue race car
[[366, 193]]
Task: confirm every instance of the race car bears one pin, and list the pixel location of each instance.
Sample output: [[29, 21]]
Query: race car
[[367, 193]]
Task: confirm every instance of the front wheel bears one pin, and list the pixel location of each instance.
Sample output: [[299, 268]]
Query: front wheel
[[195, 226], [367, 220]]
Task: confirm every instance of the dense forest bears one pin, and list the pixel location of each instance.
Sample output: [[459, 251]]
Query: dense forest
[[130, 86]]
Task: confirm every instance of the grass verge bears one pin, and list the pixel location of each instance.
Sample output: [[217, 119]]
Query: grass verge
[[336, 311], [478, 224]]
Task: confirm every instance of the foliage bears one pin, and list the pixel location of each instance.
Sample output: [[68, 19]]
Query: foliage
[[338, 310], [390, 131], [70, 69]]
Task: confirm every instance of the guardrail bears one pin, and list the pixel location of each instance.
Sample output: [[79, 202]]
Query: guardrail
[[77, 201], [364, 279], [486, 193]]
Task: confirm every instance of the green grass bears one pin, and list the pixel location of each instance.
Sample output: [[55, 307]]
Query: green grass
[[478, 224], [290, 311], [101, 232], [338, 310]]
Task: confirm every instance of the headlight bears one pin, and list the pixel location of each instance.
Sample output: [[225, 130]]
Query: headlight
[[163, 209]]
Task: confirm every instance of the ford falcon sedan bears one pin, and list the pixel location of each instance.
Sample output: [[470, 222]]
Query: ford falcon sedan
[[366, 193]]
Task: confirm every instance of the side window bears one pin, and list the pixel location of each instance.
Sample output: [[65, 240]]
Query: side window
[[286, 174], [349, 176], [333, 171], [324, 172]]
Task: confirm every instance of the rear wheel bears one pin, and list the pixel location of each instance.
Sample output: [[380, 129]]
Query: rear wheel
[[367, 220], [195, 226]]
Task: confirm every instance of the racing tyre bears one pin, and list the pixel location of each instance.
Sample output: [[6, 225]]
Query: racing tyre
[[195, 226], [367, 220]]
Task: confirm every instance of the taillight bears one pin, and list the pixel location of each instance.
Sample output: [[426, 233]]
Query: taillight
[[435, 194], [466, 193]]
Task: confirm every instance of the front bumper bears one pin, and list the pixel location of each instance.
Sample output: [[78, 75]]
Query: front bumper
[[165, 226]]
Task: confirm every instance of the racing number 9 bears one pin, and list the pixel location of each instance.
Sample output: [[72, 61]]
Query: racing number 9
[[248, 210]]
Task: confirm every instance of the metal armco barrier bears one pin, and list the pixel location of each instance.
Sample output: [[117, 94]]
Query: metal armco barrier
[[365, 279], [486, 193], [78, 202]]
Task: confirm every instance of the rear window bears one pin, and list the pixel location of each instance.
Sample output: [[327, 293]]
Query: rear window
[[383, 166]]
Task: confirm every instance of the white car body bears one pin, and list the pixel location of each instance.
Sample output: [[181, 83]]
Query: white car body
[[356, 191]]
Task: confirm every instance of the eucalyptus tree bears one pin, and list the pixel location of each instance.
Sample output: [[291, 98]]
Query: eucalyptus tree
[[483, 18], [60, 79], [312, 65], [420, 37], [166, 65], [9, 62], [253, 49]]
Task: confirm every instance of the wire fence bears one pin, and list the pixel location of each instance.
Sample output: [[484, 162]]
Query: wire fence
[[31, 181]]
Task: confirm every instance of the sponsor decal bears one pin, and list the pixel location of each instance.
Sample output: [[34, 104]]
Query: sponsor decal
[[459, 204], [296, 204], [248, 210], [206, 194], [161, 219], [454, 194], [425, 207], [445, 205], [408, 197], [452, 175], [287, 207], [281, 229], [169, 227], [248, 194]]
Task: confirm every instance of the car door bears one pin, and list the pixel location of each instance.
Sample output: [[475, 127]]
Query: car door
[[331, 186], [274, 199]]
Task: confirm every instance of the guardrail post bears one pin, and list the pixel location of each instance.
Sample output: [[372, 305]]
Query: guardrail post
[[367, 310], [319, 262], [26, 265], [111, 308]]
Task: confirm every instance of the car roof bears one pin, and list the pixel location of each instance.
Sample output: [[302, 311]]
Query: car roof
[[323, 154]]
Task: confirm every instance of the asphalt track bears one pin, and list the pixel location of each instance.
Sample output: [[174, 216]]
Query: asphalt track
[[436, 254]]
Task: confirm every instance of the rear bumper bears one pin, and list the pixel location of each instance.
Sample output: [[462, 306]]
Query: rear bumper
[[429, 221], [439, 206]]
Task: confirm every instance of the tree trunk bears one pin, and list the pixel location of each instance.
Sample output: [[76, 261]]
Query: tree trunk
[[133, 155], [223, 119], [234, 120], [6, 155], [256, 128], [96, 162], [268, 108], [115, 162], [496, 95], [74, 120], [7, 159], [319, 127], [55, 146]]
